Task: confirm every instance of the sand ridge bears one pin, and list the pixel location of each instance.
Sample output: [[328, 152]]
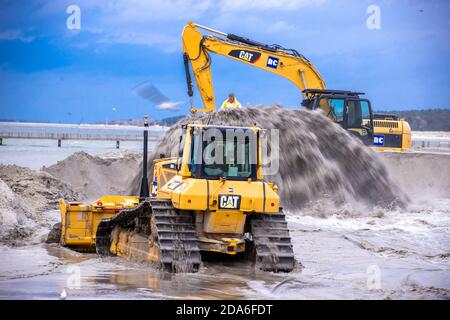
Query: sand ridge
[[26, 196], [95, 176]]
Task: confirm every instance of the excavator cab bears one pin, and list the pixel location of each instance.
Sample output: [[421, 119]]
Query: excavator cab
[[345, 108]]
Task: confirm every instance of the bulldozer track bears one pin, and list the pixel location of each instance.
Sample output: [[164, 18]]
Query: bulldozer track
[[126, 218], [272, 243], [177, 238], [172, 230]]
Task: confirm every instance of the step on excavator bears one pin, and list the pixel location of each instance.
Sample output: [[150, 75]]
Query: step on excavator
[[211, 198], [347, 108]]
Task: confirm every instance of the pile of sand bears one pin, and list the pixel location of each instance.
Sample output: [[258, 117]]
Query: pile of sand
[[95, 176], [39, 191], [25, 197], [317, 159], [11, 211]]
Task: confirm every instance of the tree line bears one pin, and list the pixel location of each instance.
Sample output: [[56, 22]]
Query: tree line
[[425, 120]]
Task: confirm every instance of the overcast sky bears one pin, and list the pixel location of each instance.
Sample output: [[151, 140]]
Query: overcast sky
[[51, 73]]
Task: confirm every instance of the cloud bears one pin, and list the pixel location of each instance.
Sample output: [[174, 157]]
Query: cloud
[[140, 22], [169, 105], [280, 26], [164, 41], [136, 11], [263, 5], [15, 34], [146, 22], [156, 23]]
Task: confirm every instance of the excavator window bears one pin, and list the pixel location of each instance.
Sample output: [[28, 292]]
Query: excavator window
[[354, 116], [338, 109], [365, 110], [333, 107], [358, 113]]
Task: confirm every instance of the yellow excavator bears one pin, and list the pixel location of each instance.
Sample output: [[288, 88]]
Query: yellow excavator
[[211, 198], [347, 108]]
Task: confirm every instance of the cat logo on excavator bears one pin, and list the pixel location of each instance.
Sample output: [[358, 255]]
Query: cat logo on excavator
[[249, 56]]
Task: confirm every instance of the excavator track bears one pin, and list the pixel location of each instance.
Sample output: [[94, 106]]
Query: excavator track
[[272, 243], [171, 230]]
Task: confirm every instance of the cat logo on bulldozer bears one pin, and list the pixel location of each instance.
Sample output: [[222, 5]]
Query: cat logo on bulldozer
[[229, 201]]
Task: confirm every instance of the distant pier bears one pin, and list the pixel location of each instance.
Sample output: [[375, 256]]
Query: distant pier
[[75, 136]]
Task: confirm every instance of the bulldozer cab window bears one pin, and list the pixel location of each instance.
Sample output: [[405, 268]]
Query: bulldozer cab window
[[196, 152], [225, 157], [227, 164]]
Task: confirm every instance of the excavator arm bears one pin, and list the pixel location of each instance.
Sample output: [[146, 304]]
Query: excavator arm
[[287, 63]]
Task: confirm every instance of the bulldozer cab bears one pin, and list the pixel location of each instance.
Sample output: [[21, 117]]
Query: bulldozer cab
[[346, 108], [212, 153], [219, 153], [223, 153]]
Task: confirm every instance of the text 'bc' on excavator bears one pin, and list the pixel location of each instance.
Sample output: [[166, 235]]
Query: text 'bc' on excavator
[[347, 108], [202, 201]]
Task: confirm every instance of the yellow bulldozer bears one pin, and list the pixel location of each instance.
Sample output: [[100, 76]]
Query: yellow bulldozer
[[212, 197], [347, 108]]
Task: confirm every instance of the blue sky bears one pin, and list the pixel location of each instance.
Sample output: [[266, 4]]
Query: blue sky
[[50, 73]]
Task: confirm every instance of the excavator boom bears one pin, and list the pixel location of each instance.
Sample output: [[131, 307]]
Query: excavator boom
[[287, 63]]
